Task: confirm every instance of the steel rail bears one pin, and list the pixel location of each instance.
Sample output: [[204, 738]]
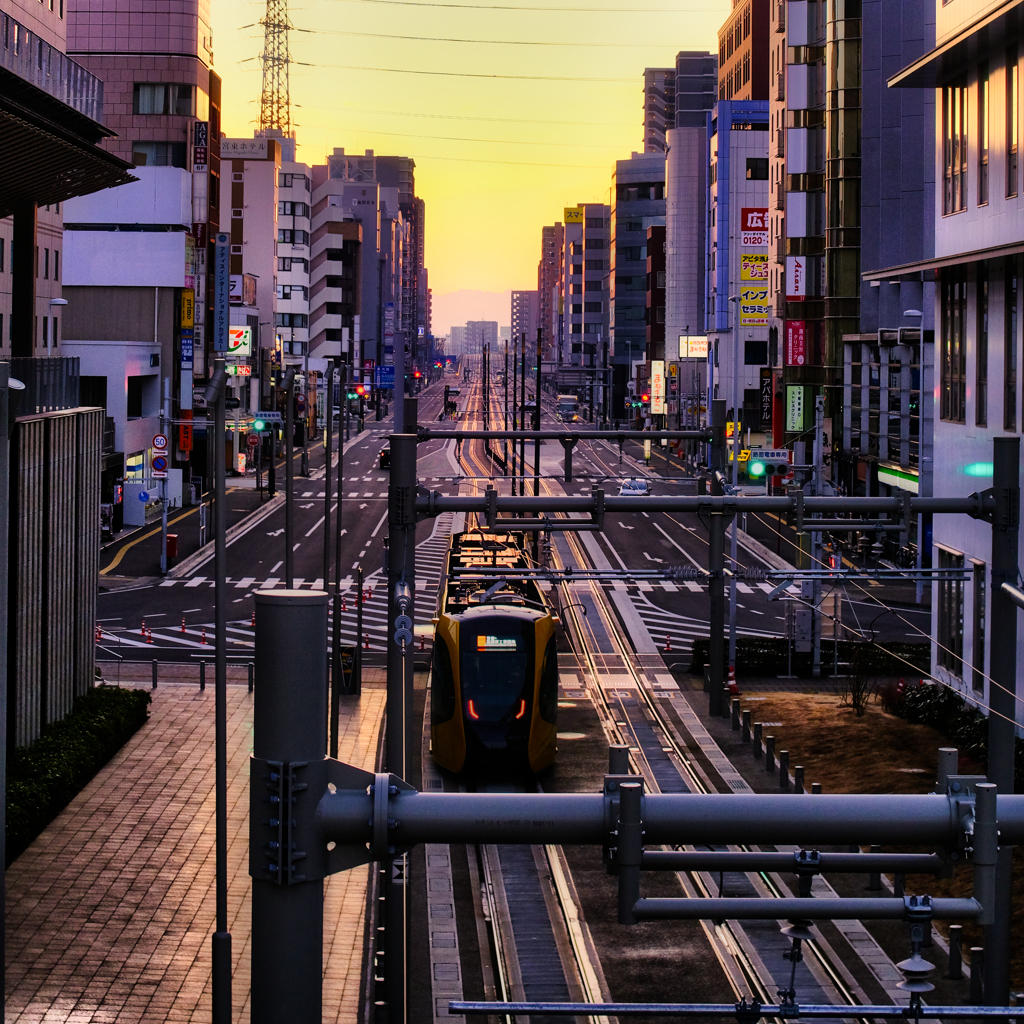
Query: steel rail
[[747, 1013], [430, 434]]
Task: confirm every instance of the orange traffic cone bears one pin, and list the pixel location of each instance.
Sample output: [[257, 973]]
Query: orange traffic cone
[[203, 640], [344, 606], [668, 644], [183, 623], [366, 641], [369, 593], [149, 636], [733, 688], [252, 621], [142, 628], [423, 644]]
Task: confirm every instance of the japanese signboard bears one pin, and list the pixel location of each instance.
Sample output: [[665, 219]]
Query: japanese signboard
[[188, 308], [572, 215], [240, 341], [754, 305], [657, 387], [693, 346], [796, 278], [753, 227], [222, 284], [251, 149], [795, 407], [767, 398], [796, 343]]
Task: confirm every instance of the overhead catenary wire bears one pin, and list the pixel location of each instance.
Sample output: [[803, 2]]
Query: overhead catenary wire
[[464, 74], [476, 42], [552, 10]]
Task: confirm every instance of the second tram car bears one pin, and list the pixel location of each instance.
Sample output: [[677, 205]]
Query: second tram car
[[494, 684]]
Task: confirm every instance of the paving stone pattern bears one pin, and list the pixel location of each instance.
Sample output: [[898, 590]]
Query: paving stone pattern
[[110, 911]]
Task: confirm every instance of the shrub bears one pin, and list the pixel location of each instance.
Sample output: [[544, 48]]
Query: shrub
[[42, 779]]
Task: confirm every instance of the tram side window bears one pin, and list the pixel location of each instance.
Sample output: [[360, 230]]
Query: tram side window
[[442, 685], [549, 683]]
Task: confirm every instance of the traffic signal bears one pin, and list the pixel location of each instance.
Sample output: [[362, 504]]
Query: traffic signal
[[768, 463], [645, 398], [259, 425], [417, 374], [360, 390]]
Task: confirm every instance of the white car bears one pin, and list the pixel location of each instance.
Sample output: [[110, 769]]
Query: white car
[[634, 488]]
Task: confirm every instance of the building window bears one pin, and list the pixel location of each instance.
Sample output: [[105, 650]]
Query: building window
[[954, 148], [592, 307], [983, 135], [291, 320], [287, 263], [951, 616], [746, 68], [746, 21], [237, 176], [978, 633], [292, 235], [290, 209], [981, 369], [291, 291], [46, 264], [214, 190], [953, 344], [757, 168], [236, 250], [1012, 117], [160, 154], [1, 259], [595, 222], [53, 333], [56, 264], [236, 213], [290, 180], [1010, 289], [160, 98], [577, 308]]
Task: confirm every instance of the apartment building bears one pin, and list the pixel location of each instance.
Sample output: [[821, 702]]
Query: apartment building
[[659, 107], [743, 55], [549, 311], [583, 272], [737, 300], [638, 203], [525, 314], [974, 73], [294, 239]]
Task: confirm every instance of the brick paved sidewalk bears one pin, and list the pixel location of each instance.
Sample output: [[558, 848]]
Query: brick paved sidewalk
[[110, 911]]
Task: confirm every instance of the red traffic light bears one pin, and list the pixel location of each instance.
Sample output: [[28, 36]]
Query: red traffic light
[[416, 373], [645, 398], [360, 389]]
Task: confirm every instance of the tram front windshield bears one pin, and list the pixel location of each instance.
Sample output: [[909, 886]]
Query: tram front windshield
[[494, 663]]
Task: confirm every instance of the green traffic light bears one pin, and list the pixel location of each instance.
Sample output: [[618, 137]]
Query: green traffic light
[[259, 425], [755, 468]]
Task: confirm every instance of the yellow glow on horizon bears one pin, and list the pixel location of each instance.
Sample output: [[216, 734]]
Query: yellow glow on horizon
[[490, 173]]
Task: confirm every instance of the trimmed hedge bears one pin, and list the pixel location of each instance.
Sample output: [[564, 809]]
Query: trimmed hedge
[[42, 779], [768, 656], [963, 725]]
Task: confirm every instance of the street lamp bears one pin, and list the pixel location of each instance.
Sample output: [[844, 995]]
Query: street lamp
[[53, 334]]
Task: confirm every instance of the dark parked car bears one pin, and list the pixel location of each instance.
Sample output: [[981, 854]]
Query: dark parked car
[[385, 456]]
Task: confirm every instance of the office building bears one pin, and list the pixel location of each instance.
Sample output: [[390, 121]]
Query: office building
[[686, 167], [638, 203], [549, 310], [737, 257], [52, 120], [480, 333], [583, 273]]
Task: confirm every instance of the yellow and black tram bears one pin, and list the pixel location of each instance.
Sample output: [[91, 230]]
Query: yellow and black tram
[[494, 684]]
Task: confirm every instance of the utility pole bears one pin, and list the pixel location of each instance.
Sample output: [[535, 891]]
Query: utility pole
[[329, 410], [504, 440], [816, 548], [734, 455], [522, 416]]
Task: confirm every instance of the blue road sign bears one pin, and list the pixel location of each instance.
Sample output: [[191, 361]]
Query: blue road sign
[[143, 495], [384, 377], [221, 290]]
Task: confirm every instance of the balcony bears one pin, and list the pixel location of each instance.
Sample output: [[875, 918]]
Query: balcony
[[780, 143], [51, 384], [780, 86], [780, 16]]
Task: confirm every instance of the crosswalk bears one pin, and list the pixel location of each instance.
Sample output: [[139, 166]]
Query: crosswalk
[[199, 637]]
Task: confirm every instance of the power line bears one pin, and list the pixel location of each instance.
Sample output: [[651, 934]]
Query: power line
[[476, 42], [487, 142], [462, 74], [469, 117], [569, 10]]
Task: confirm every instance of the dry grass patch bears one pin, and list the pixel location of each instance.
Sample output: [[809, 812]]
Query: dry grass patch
[[878, 753]]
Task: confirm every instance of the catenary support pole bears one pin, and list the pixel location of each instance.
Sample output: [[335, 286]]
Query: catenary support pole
[[289, 475], [505, 441], [401, 581], [1002, 696], [336, 672], [221, 942], [716, 563], [536, 445], [522, 416], [289, 709], [165, 428]]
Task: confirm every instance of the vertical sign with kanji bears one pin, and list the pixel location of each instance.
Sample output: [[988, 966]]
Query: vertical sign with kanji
[[221, 292]]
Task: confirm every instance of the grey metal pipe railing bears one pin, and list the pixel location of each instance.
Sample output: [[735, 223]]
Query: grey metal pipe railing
[[699, 860], [883, 908]]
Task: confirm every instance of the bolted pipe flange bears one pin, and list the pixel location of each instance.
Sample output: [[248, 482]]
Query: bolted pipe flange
[[381, 784]]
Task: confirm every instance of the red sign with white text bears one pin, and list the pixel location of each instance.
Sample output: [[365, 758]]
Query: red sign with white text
[[753, 226], [796, 342]]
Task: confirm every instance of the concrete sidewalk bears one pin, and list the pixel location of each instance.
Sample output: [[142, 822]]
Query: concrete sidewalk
[[111, 909]]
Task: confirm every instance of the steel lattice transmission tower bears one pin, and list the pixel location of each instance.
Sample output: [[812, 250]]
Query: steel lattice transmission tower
[[275, 101]]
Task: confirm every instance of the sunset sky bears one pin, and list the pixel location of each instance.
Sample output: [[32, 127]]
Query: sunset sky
[[496, 158]]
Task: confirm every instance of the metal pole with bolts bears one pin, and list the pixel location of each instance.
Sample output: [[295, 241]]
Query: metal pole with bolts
[[221, 951], [328, 456], [816, 549], [289, 474], [505, 441], [401, 583], [734, 455], [289, 711], [165, 428], [336, 672], [522, 415], [1002, 697]]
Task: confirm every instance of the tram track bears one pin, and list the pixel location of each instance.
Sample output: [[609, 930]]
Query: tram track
[[629, 713]]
